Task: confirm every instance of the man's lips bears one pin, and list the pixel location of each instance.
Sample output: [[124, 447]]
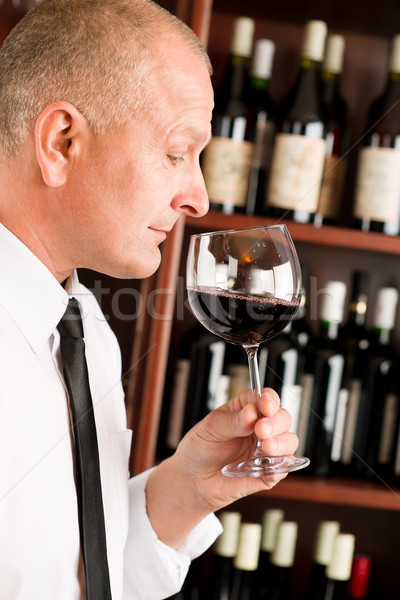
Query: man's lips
[[161, 233], [166, 229]]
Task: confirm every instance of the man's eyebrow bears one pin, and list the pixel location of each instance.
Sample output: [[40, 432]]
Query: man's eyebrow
[[191, 134]]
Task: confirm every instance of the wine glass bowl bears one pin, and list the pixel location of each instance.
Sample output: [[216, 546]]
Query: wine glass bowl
[[244, 286]]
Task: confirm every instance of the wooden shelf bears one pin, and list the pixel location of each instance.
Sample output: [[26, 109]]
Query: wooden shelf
[[359, 16], [326, 235], [342, 492]]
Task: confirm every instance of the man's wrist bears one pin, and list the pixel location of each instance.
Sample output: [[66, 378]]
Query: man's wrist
[[173, 507]]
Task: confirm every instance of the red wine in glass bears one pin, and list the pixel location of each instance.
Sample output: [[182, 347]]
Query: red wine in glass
[[245, 286], [245, 320]]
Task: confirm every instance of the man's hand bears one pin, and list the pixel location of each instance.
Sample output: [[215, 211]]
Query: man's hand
[[190, 485]]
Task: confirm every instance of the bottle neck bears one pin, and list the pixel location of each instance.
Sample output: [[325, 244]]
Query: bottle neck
[[330, 78], [394, 77], [335, 589], [233, 85], [382, 336], [237, 61], [308, 64], [392, 85], [330, 86], [258, 83], [329, 330], [358, 311]]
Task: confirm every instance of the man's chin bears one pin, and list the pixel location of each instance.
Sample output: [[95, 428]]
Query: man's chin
[[138, 263], [140, 269]]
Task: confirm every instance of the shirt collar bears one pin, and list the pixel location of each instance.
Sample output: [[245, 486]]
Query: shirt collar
[[29, 292]]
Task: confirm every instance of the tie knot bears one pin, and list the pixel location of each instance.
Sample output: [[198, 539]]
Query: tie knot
[[71, 323]]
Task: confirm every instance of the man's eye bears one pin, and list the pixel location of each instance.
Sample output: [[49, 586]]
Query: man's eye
[[175, 159]]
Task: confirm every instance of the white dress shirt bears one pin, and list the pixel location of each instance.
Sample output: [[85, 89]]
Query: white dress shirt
[[39, 532]]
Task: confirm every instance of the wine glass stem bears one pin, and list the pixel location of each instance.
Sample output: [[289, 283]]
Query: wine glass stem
[[251, 352]]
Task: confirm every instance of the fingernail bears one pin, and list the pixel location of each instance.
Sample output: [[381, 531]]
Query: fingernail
[[268, 429]]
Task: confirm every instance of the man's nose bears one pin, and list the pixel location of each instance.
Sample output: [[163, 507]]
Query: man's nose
[[195, 201]]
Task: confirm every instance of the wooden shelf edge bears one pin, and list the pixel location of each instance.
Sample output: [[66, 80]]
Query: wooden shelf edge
[[344, 492], [327, 235]]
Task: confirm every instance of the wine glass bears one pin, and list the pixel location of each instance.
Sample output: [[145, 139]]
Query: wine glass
[[244, 286]]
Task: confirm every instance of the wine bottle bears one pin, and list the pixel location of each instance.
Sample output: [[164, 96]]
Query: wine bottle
[[199, 383], [224, 550], [377, 190], [326, 535], [278, 585], [207, 384], [299, 151], [226, 161], [395, 470], [331, 191], [299, 329], [376, 433], [261, 124], [338, 571], [355, 341], [324, 366], [272, 518], [239, 379], [301, 332], [357, 588], [236, 368], [283, 360], [246, 562], [175, 400]]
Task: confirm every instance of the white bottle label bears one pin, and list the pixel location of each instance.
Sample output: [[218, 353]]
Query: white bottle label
[[378, 184], [340, 419], [336, 364], [226, 168], [307, 386], [239, 379], [290, 359], [296, 172], [217, 350], [291, 401], [351, 421]]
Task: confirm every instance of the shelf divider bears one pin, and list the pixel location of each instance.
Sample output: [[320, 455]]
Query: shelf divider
[[340, 491], [326, 235]]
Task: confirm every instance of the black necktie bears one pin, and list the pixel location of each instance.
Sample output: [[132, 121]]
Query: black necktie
[[88, 484]]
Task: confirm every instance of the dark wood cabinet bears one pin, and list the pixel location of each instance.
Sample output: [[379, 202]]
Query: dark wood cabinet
[[371, 511]]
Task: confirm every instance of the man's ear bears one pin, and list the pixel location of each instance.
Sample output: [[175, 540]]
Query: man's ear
[[60, 133]]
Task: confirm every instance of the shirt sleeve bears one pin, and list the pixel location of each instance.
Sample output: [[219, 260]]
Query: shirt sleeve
[[153, 570]]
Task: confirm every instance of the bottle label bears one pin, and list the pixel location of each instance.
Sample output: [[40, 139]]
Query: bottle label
[[351, 420], [296, 171], [336, 364], [378, 184], [217, 350], [340, 420], [307, 387], [238, 379], [332, 187], [291, 396], [226, 168], [388, 432]]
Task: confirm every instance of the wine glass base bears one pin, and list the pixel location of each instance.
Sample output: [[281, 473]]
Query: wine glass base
[[264, 466]]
